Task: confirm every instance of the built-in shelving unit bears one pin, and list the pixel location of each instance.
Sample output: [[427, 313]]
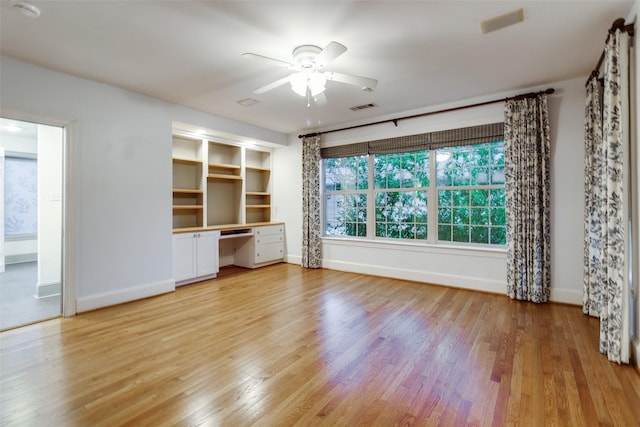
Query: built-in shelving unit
[[258, 185], [221, 208], [188, 196], [219, 184]]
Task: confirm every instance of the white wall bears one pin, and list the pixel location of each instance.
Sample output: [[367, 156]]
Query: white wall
[[122, 176], [50, 150], [473, 269]]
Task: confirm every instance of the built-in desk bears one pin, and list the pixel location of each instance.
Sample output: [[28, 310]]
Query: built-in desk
[[199, 252]]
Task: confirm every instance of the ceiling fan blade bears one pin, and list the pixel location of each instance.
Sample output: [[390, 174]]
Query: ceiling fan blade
[[271, 86], [362, 82], [269, 59], [329, 53]]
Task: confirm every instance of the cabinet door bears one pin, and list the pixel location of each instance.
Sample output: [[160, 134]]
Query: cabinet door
[[207, 253], [184, 256], [269, 252]]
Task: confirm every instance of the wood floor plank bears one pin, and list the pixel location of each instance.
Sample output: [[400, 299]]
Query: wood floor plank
[[288, 346]]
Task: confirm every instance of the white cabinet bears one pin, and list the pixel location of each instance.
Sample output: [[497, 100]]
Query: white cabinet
[[266, 247], [195, 256]]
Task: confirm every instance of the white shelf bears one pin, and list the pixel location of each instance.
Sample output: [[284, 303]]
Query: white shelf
[[217, 184]]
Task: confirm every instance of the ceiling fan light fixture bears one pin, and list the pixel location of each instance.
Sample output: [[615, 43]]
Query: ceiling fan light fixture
[[299, 83], [316, 83], [304, 80]]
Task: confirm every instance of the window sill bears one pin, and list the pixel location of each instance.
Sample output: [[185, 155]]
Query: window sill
[[404, 245]]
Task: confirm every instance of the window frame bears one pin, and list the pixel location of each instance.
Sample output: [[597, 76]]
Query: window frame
[[432, 206]]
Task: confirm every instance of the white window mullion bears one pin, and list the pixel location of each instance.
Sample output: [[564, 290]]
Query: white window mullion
[[432, 200], [371, 202]]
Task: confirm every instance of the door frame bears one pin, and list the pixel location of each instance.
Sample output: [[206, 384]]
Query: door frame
[[70, 202]]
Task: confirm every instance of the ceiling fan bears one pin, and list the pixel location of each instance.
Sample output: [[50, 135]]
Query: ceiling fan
[[309, 77]]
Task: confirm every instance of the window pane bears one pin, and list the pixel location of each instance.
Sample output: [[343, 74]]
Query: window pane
[[401, 214], [497, 154], [498, 216], [481, 164], [497, 176], [444, 198], [422, 169], [444, 232], [362, 178], [346, 173], [479, 216], [460, 197], [460, 233], [461, 216], [498, 236], [479, 197], [444, 215], [479, 234], [344, 214], [498, 197], [401, 170]]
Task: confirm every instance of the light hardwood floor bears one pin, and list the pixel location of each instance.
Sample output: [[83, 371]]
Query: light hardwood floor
[[286, 346]]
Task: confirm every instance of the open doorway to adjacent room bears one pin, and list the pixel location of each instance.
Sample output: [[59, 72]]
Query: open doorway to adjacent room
[[31, 218]]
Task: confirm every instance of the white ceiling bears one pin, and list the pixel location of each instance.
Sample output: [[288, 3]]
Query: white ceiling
[[423, 53]]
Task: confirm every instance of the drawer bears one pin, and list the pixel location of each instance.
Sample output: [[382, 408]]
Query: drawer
[[264, 239], [269, 252], [268, 229]]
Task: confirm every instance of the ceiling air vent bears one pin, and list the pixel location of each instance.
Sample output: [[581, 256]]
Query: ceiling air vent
[[502, 21], [362, 107]]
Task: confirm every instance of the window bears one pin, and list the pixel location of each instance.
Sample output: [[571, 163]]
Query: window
[[471, 198], [401, 183], [446, 193], [346, 180]]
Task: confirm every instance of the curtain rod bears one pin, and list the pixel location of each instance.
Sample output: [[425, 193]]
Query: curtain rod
[[446, 110], [618, 24]]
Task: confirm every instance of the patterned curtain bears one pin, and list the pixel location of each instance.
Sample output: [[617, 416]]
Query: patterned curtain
[[612, 296], [527, 170], [595, 202], [311, 256]]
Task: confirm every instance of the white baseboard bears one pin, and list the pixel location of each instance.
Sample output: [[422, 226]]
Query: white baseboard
[[120, 296], [566, 296], [464, 282], [293, 259], [44, 290]]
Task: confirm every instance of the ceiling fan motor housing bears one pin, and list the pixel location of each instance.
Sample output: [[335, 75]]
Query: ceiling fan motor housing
[[306, 54]]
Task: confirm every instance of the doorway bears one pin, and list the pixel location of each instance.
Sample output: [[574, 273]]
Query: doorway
[[31, 218]]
